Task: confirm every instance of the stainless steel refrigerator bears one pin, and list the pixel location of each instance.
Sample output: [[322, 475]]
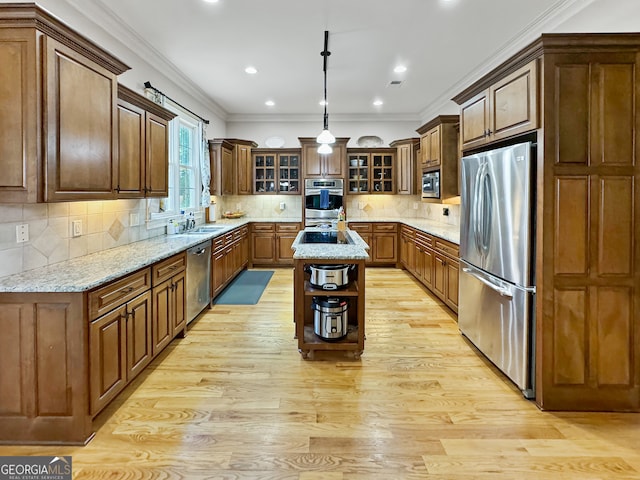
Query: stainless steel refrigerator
[[497, 270]]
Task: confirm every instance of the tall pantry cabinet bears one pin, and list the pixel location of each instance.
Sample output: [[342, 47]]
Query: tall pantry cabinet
[[586, 114]]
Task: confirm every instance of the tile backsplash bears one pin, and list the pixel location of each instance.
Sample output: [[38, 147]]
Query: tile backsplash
[[104, 225]]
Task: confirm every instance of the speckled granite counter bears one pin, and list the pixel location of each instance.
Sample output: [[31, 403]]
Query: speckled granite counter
[[327, 251], [439, 229]]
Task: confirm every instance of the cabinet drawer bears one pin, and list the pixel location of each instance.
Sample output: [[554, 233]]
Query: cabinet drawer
[[263, 227], [448, 248], [408, 232], [385, 227], [218, 243], [114, 294], [361, 227], [424, 239], [167, 268], [288, 227]]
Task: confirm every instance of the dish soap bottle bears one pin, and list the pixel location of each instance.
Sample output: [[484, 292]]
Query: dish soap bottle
[[342, 220]]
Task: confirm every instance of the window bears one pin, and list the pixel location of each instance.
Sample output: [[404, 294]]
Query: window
[[185, 155]]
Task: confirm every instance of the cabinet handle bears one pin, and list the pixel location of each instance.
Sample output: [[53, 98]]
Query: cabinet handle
[[118, 189], [489, 132], [125, 291]]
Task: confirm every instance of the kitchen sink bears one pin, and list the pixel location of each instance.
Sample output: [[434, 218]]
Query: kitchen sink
[[209, 228]]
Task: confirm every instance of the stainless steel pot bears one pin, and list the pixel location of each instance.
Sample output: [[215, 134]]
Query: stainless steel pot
[[330, 316], [329, 277]]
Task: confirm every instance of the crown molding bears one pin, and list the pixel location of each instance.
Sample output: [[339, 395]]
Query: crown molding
[[365, 117], [117, 28], [546, 22]]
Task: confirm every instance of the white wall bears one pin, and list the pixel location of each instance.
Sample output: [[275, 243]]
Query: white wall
[[290, 131]]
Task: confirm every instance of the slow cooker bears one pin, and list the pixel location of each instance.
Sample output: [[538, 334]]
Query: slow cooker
[[329, 277], [330, 317]]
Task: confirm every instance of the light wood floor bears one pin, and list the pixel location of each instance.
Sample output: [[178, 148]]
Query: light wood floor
[[234, 400]]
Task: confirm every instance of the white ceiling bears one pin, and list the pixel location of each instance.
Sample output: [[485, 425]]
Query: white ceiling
[[444, 44]]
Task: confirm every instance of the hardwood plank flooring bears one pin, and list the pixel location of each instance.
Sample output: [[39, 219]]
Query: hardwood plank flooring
[[235, 400]]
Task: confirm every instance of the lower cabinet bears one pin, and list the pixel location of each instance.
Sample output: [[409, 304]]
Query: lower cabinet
[[433, 261], [120, 348], [271, 243], [382, 238], [230, 255], [169, 291]]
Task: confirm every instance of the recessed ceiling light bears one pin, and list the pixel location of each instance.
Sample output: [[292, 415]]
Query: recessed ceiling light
[[400, 69], [211, 1], [377, 103], [269, 103], [251, 70]]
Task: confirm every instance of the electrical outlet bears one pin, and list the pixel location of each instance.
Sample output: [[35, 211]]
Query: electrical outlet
[[134, 219], [360, 205], [76, 228], [238, 207], [283, 205], [22, 233], [415, 205], [445, 211]]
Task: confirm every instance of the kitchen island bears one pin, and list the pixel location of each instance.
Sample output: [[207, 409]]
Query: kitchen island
[[311, 250]]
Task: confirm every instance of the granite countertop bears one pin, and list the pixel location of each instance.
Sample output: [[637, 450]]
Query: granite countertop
[[327, 251], [90, 271]]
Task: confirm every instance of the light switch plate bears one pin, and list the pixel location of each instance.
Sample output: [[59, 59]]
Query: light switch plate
[[76, 229]]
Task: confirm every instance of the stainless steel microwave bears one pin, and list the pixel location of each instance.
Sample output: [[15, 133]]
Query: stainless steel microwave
[[431, 184]]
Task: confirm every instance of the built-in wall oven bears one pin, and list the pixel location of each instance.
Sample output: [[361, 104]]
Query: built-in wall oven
[[322, 199], [431, 184]]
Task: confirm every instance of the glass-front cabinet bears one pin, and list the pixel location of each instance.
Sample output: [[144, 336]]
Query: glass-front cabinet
[[276, 171], [371, 170]]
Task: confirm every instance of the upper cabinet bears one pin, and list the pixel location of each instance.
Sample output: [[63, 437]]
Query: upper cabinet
[[439, 150], [371, 170], [406, 165], [277, 171], [58, 99], [506, 108], [324, 166], [231, 166], [143, 146]]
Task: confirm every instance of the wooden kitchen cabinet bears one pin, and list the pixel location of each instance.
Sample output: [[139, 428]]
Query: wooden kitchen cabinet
[[59, 111], [143, 146], [271, 242], [120, 348], [231, 166], [169, 290], [506, 108], [277, 171], [439, 150], [576, 96], [324, 166], [382, 238], [371, 170], [406, 161], [230, 255]]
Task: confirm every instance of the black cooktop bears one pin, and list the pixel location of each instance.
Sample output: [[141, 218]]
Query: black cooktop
[[325, 237]]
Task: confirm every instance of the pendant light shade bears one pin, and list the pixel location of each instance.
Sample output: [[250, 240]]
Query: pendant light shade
[[326, 137], [325, 149]]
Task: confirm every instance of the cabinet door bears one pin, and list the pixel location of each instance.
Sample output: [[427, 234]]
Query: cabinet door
[[81, 135], [131, 151], [425, 150], [263, 248], [312, 161], [427, 272], [139, 339], [439, 275], [179, 317], [452, 281], [283, 248], [162, 316], [384, 248], [157, 171], [244, 248], [244, 169], [514, 103], [228, 171], [435, 157], [108, 357], [18, 121], [333, 163], [474, 120], [405, 170], [217, 273]]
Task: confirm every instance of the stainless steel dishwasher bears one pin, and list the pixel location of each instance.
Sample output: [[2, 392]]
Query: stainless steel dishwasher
[[198, 279]]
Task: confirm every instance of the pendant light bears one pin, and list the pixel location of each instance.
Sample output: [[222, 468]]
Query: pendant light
[[326, 138]]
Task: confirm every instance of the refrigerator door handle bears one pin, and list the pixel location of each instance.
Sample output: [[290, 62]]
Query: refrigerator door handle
[[504, 292], [477, 210]]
